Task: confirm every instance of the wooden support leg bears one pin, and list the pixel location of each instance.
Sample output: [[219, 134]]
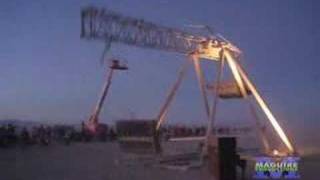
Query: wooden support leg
[[212, 114], [171, 95], [242, 85], [264, 107]]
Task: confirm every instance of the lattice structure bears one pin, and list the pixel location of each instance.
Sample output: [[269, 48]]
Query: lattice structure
[[109, 26]]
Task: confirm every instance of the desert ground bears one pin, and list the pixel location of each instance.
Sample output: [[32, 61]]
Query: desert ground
[[101, 161]]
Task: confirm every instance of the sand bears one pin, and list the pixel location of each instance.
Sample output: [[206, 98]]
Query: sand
[[100, 161]]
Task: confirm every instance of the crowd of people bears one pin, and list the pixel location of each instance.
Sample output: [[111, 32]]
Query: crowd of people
[[10, 135], [7, 135]]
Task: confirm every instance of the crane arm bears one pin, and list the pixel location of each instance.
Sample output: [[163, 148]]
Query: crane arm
[[109, 26]]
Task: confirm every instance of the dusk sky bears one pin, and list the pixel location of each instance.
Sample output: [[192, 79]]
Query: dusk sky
[[49, 74]]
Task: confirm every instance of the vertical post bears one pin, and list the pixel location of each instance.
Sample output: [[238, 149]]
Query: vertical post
[[214, 108], [227, 155], [202, 83]]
